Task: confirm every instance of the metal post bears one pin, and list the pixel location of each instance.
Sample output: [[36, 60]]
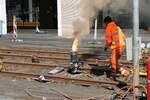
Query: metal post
[[95, 31], [30, 10], [136, 43], [37, 19]]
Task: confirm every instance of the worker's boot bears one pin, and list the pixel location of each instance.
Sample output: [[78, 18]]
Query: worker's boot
[[123, 72], [114, 73]]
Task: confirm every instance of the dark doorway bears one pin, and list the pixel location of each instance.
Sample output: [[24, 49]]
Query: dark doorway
[[48, 14]]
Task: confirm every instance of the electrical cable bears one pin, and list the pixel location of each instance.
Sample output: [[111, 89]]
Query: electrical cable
[[100, 96], [142, 86], [65, 96], [126, 93], [109, 95], [61, 93]]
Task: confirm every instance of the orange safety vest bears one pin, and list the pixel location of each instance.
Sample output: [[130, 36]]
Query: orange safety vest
[[114, 36]]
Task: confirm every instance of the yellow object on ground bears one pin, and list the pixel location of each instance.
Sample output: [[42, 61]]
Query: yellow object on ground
[[1, 64]]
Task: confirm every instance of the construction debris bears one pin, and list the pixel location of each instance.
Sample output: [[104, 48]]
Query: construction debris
[[48, 63], [35, 58], [41, 78], [56, 70]]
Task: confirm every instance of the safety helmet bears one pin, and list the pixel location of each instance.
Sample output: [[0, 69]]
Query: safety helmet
[[107, 19]]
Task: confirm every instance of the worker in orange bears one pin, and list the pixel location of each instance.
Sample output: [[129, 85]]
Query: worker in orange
[[115, 40]]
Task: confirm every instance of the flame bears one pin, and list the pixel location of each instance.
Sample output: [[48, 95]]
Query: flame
[[75, 44]]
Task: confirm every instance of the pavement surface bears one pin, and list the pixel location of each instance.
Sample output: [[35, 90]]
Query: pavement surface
[[49, 39], [27, 89]]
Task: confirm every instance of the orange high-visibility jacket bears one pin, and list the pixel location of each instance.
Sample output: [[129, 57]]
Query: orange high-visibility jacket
[[114, 36]]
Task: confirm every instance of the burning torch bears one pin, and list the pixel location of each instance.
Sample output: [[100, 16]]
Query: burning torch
[[75, 62]]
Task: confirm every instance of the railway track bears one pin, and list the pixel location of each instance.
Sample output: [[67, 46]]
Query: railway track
[[46, 52], [8, 53], [58, 56], [55, 55], [21, 65], [117, 85], [50, 52], [60, 79], [62, 58], [52, 55], [40, 66], [57, 78], [13, 53]]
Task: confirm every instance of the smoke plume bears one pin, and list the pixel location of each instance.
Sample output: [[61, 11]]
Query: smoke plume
[[89, 9]]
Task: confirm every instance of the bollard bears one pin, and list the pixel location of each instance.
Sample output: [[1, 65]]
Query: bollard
[[35, 58], [148, 79], [14, 25], [14, 35]]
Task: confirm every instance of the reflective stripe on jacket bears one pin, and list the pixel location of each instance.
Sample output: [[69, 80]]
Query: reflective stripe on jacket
[[114, 36]]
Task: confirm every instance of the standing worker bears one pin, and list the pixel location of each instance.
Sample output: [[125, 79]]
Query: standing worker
[[115, 40]]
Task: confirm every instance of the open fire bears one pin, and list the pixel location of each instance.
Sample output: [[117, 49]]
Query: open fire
[[75, 62]]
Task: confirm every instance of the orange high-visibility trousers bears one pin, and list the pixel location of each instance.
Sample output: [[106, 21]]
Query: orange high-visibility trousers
[[115, 56]]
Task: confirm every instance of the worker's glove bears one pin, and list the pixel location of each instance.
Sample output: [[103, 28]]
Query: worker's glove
[[105, 49]]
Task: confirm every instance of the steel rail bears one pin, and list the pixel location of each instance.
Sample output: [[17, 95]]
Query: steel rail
[[58, 79], [89, 60], [52, 66], [47, 52], [29, 56], [41, 66], [33, 51]]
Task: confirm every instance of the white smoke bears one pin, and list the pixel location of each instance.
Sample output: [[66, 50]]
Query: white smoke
[[89, 9]]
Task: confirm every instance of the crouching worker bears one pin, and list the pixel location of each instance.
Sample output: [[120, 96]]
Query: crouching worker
[[115, 40]]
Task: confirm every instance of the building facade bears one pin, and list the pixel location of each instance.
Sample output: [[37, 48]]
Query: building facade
[[60, 14], [3, 21], [68, 12], [28, 12]]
